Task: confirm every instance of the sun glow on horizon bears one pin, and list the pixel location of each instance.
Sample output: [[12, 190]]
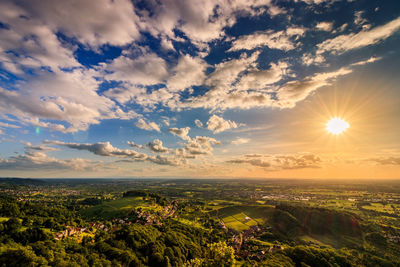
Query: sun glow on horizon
[[337, 126]]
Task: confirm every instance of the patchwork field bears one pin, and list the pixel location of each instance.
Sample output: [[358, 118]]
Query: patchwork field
[[241, 217], [379, 207]]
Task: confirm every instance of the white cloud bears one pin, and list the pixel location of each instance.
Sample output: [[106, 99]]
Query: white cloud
[[188, 72], [344, 43], [363, 62], [258, 79], [240, 141], [292, 92], [30, 147], [7, 125], [112, 22], [201, 145], [157, 146], [226, 73], [164, 160], [308, 59], [106, 149], [199, 23], [281, 162], [324, 26], [275, 40], [40, 161], [133, 144], [32, 43], [63, 96], [218, 124], [181, 132], [198, 123], [145, 69], [148, 126], [358, 18], [101, 149], [126, 94]]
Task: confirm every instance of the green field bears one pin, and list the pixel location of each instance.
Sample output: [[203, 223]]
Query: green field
[[118, 208], [241, 217], [380, 207]]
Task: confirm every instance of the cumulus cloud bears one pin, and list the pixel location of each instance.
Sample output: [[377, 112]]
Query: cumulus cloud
[[145, 69], [148, 126], [259, 79], [201, 145], [91, 24], [358, 18], [40, 161], [164, 160], [157, 146], [226, 73], [63, 96], [188, 72], [280, 162], [33, 43], [181, 132], [282, 95], [101, 149], [200, 25], [324, 26], [275, 40], [308, 59], [133, 144], [182, 152], [254, 162], [107, 150], [218, 124], [50, 86]]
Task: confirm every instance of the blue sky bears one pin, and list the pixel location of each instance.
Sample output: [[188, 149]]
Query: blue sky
[[187, 89]]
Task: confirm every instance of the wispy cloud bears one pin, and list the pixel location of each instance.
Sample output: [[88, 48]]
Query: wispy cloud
[[347, 42], [280, 162], [148, 126]]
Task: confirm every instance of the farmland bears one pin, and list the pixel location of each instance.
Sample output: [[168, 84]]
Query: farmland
[[255, 222]]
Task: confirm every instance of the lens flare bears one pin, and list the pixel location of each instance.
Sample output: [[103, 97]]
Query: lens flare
[[337, 126]]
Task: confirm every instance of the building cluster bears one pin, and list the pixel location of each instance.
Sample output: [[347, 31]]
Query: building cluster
[[71, 231], [243, 244]]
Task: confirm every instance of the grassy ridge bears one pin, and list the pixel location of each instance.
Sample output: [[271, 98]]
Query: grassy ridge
[[116, 208]]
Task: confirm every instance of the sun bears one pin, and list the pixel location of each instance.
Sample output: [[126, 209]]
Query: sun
[[337, 126]]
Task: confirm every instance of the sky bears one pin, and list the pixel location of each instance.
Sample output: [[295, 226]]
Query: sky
[[199, 89]]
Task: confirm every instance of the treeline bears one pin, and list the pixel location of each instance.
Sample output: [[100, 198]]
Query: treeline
[[320, 221], [27, 239], [159, 199]]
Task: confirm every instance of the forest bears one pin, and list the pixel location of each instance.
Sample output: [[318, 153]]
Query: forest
[[193, 223]]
